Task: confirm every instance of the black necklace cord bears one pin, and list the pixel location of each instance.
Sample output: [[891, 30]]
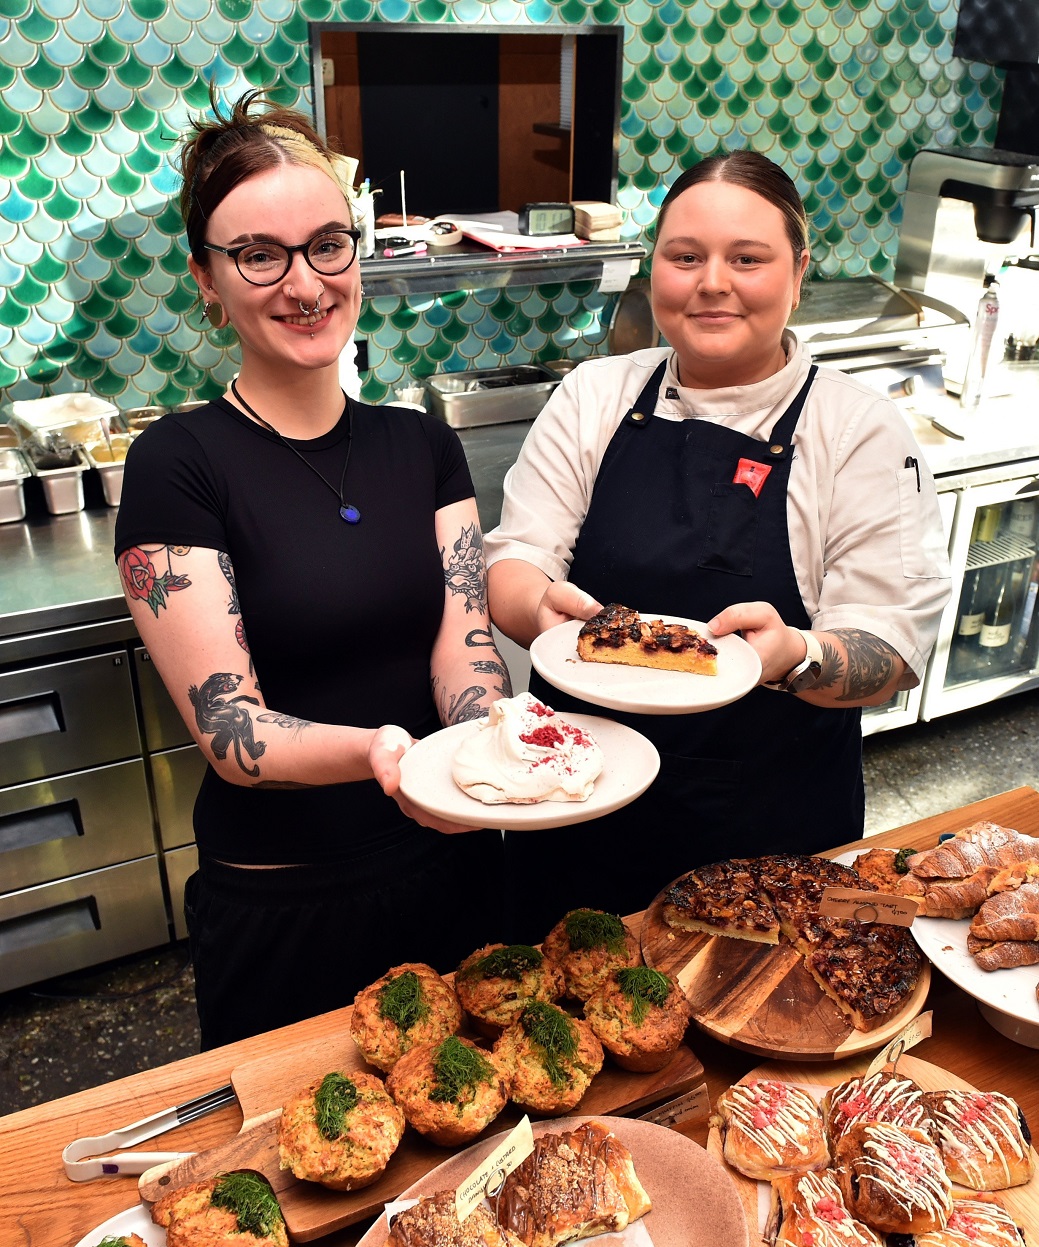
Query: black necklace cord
[[347, 511]]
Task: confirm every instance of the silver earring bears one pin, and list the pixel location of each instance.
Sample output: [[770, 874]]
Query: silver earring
[[362, 291]]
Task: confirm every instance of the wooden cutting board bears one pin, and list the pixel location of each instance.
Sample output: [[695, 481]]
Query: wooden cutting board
[[760, 997], [1022, 1202], [310, 1210]]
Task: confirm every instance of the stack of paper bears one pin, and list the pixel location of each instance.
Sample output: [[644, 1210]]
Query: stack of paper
[[598, 222]]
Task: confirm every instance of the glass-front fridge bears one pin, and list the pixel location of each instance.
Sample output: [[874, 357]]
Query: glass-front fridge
[[988, 642]]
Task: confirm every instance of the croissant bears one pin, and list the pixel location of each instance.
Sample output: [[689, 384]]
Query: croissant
[[1009, 915], [948, 898], [1014, 876], [1003, 954], [982, 844]]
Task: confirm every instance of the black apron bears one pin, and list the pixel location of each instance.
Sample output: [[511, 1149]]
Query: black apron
[[668, 531]]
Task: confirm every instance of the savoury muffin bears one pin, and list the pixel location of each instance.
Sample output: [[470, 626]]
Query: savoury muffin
[[411, 1004], [497, 981], [588, 944], [237, 1208], [449, 1091], [433, 1222], [340, 1131], [639, 1016], [552, 1059]]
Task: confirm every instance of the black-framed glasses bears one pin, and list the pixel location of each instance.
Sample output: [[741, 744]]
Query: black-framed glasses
[[264, 263]]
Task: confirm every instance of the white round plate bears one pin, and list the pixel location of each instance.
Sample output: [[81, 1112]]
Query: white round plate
[[133, 1221], [1007, 993], [694, 1198], [642, 690], [631, 766]]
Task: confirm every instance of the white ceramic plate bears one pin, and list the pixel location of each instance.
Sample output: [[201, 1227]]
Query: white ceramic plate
[[641, 690], [133, 1221], [631, 766], [694, 1198], [1006, 997]]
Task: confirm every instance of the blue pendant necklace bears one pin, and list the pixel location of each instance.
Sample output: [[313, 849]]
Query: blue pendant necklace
[[347, 511]]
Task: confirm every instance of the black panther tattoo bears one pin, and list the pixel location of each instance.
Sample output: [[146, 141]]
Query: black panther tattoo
[[228, 722]]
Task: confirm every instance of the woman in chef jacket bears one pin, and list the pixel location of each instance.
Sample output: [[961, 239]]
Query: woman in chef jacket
[[724, 478]]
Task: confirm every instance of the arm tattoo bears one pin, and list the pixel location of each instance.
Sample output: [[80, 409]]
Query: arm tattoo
[[870, 665], [460, 708], [143, 582], [287, 721], [464, 571], [233, 606], [490, 666], [218, 713]]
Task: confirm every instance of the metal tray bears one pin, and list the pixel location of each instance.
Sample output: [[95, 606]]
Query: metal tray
[[13, 471], [490, 395], [62, 487]]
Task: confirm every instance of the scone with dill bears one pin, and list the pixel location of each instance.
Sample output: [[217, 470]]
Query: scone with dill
[[411, 1004], [340, 1131], [449, 1091], [433, 1222], [639, 1016], [552, 1059], [498, 981], [237, 1208], [588, 944]]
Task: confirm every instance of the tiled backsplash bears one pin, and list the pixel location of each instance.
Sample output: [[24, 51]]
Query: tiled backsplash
[[93, 94]]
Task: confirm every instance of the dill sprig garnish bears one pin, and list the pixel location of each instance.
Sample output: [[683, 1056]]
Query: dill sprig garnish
[[251, 1200], [113, 1240], [901, 862], [588, 928], [552, 1032], [402, 1001], [643, 987], [510, 962], [336, 1096], [457, 1068]]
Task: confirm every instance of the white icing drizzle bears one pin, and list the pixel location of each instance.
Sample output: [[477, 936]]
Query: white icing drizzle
[[994, 1130], [774, 1116], [889, 1149], [974, 1222], [834, 1226], [877, 1098]]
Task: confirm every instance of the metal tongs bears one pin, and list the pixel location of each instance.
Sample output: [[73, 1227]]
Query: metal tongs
[[81, 1169]]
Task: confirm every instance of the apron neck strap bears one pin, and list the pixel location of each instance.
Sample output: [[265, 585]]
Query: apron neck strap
[[641, 411]]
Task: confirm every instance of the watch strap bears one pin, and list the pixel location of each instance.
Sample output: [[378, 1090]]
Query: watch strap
[[805, 674]]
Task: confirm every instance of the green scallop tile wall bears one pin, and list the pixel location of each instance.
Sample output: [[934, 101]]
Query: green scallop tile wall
[[93, 94]]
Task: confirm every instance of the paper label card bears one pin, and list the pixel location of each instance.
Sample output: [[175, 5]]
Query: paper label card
[[695, 1105], [616, 274], [856, 905], [919, 1028], [491, 1172]]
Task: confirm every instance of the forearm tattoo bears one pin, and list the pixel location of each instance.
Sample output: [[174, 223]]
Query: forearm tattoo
[[220, 715], [464, 571], [870, 664], [459, 707], [288, 721], [233, 607], [143, 582], [494, 667]]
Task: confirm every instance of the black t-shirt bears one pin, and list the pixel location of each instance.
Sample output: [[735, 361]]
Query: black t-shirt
[[340, 618]]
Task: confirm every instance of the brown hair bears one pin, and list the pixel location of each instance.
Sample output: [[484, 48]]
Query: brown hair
[[755, 173], [221, 153]]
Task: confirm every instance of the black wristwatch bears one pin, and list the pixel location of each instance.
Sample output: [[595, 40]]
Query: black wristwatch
[[806, 674]]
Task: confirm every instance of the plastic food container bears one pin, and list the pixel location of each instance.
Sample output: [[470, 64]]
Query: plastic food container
[[490, 395], [77, 417], [108, 461], [62, 487], [13, 471]]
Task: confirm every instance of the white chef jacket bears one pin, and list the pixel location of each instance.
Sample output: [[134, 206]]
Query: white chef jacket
[[866, 536]]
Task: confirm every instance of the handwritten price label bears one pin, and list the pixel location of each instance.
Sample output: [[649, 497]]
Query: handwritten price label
[[919, 1028], [513, 1151], [855, 905]]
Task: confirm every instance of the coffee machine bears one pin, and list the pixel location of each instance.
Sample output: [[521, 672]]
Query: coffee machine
[[967, 211]]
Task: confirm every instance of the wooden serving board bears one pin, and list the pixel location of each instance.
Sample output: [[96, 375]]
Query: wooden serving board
[[760, 997], [310, 1210], [1022, 1202]]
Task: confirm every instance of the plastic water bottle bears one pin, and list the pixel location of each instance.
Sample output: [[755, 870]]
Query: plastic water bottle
[[980, 344]]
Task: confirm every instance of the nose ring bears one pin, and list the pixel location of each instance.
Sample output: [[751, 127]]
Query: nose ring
[[310, 311]]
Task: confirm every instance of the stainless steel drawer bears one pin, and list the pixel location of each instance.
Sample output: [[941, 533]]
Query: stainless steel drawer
[[79, 922], [180, 864], [74, 823], [176, 776], [66, 716], [163, 726]]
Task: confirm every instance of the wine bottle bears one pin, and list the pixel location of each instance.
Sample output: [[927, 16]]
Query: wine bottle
[[966, 648], [994, 638], [981, 342]]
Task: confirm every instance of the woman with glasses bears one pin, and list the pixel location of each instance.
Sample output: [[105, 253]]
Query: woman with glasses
[[307, 573]]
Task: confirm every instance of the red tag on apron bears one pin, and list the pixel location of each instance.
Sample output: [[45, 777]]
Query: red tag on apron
[[749, 472]]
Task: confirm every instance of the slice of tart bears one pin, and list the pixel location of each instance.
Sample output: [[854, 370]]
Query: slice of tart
[[722, 898], [618, 635]]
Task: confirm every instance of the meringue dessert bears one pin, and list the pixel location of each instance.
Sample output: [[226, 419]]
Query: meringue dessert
[[523, 753]]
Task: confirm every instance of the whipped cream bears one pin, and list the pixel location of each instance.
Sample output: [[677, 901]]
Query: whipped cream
[[523, 752]]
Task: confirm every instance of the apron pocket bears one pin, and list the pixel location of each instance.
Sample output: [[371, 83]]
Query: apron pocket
[[732, 526], [700, 794]]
